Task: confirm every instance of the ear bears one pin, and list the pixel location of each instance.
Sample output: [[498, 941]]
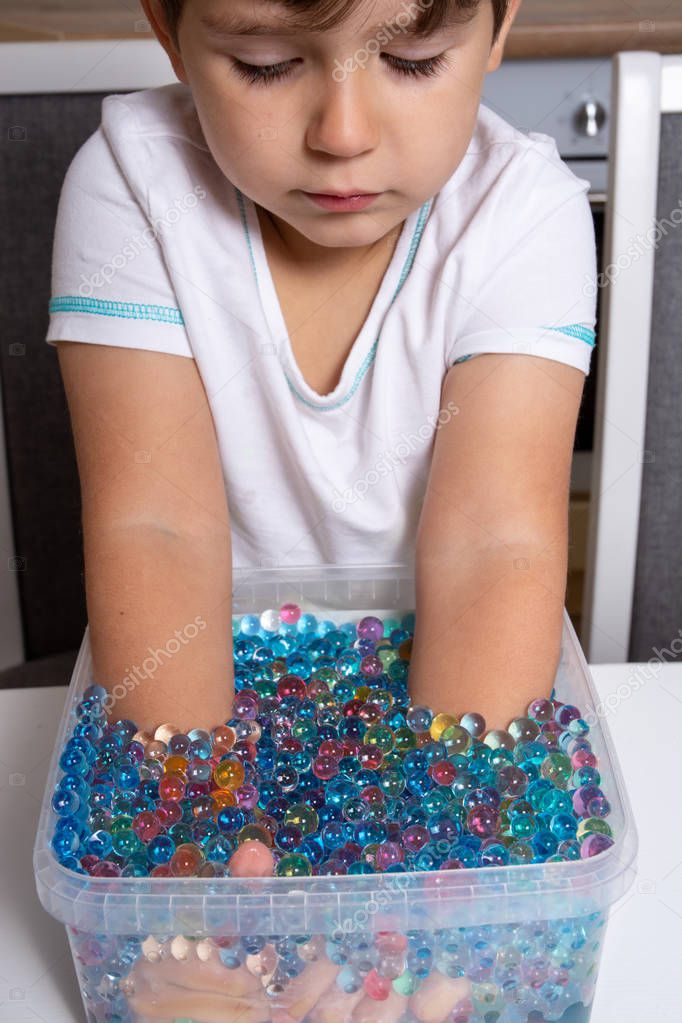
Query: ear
[[156, 17], [497, 51]]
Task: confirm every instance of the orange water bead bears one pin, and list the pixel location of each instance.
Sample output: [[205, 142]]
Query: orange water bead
[[186, 860], [171, 787], [224, 738], [405, 649], [229, 774], [223, 797], [175, 765], [255, 832]]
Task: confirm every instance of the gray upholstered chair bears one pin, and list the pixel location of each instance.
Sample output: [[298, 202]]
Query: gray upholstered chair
[[50, 102]]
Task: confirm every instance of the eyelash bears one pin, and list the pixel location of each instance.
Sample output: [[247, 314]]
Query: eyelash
[[267, 73]]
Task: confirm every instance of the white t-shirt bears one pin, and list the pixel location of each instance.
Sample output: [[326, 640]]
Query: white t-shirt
[[154, 248]]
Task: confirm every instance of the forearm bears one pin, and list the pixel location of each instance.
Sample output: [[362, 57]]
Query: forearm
[[488, 627], [159, 610]]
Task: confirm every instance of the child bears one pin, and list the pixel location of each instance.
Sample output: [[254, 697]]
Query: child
[[276, 377]]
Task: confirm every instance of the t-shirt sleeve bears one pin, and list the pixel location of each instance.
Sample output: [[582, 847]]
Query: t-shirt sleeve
[[110, 283], [535, 292]]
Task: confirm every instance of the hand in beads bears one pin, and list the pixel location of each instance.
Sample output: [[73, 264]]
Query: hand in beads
[[192, 983]]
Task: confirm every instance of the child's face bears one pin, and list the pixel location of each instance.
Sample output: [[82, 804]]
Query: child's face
[[341, 118]]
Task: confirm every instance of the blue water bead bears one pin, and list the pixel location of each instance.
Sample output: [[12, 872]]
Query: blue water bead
[[99, 844], [415, 761], [160, 849], [125, 774], [536, 792], [73, 761], [66, 802], [419, 783], [243, 648], [408, 622], [585, 776], [426, 860], [349, 980], [556, 801], [75, 783], [262, 656], [96, 693], [248, 625], [199, 747], [368, 832], [563, 826], [544, 844], [307, 624], [313, 847], [65, 841], [395, 717], [464, 782], [325, 626]]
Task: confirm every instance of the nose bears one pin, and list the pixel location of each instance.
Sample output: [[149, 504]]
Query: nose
[[344, 118]]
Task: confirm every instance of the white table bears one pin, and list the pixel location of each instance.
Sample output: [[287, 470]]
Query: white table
[[640, 976]]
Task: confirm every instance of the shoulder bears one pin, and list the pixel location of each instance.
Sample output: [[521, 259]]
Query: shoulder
[[166, 112], [511, 169]]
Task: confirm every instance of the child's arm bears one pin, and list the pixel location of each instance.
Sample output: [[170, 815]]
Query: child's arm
[[492, 540], [158, 570]]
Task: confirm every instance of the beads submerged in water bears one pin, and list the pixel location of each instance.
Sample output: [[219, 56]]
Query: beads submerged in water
[[326, 762]]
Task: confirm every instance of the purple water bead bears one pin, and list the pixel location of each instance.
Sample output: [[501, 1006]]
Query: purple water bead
[[593, 844], [371, 628]]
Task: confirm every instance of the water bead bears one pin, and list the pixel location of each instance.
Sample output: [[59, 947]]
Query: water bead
[[290, 613], [293, 865], [566, 713], [524, 729], [229, 773], [474, 724], [594, 843], [498, 738], [541, 710], [419, 719]]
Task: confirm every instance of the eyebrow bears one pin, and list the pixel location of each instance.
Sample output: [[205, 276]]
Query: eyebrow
[[229, 24]]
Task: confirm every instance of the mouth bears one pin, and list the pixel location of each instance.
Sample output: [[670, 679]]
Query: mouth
[[343, 195]]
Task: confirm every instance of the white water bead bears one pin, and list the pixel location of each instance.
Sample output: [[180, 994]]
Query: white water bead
[[270, 620], [205, 950], [151, 949], [180, 948]]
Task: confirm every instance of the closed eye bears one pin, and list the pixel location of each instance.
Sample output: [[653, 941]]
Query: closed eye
[[264, 74]]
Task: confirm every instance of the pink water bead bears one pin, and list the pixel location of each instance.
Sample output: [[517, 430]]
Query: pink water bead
[[146, 825], [290, 613], [483, 821], [247, 796], [291, 685], [443, 772], [415, 837], [378, 988], [388, 854], [325, 768], [583, 758], [371, 665]]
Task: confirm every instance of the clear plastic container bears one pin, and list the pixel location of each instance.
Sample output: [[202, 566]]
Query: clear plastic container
[[513, 944]]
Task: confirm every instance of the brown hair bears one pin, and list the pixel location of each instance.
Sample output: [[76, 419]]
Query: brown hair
[[320, 15]]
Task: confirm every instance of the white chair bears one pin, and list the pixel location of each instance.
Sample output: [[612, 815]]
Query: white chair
[[632, 600]]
